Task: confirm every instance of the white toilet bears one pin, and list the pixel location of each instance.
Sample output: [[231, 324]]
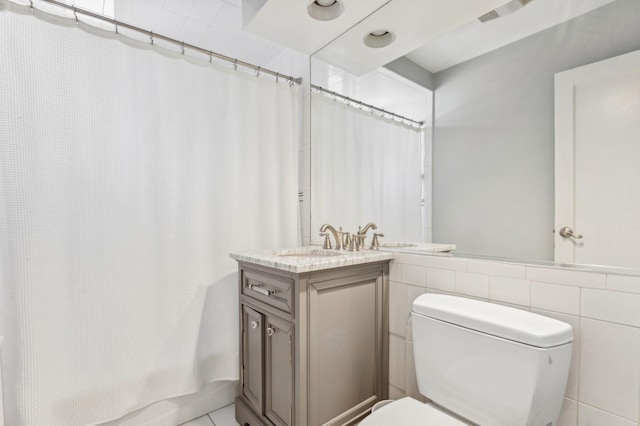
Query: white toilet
[[484, 364]]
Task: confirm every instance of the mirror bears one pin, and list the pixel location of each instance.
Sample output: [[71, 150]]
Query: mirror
[[370, 135], [490, 188]]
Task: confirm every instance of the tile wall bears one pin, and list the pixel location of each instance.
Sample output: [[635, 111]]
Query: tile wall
[[604, 310]]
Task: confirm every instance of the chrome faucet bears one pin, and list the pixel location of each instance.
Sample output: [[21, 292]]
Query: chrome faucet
[[337, 236], [362, 233]]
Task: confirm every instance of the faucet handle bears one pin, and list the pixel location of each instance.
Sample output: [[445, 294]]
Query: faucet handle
[[353, 243], [346, 240], [327, 241], [374, 242]]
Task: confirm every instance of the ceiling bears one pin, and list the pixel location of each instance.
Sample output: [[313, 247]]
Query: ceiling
[[211, 24], [434, 34], [476, 38], [413, 23]]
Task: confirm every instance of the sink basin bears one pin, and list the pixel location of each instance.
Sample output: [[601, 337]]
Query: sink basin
[[398, 245], [308, 253]]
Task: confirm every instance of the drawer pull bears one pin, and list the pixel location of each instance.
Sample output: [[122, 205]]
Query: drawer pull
[[271, 331], [261, 290], [254, 324]]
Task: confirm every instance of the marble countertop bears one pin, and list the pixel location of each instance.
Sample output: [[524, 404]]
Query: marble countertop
[[315, 258], [307, 259]]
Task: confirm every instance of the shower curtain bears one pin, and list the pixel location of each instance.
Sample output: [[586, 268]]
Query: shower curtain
[[127, 175], [365, 168]]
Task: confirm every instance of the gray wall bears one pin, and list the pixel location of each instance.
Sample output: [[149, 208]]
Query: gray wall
[[493, 151]]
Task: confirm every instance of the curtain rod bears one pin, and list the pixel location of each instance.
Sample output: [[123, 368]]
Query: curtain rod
[[236, 62], [355, 102]]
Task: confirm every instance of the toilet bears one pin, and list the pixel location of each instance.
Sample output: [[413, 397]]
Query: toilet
[[482, 364]]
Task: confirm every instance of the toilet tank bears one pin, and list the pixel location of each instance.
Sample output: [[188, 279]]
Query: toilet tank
[[488, 363]]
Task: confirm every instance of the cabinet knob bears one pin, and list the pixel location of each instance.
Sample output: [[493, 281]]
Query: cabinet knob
[[254, 324], [271, 331]]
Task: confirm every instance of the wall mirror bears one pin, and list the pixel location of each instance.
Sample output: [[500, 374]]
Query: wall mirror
[[370, 136], [487, 165]]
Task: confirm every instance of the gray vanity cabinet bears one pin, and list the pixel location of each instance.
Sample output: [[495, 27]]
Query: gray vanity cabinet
[[314, 348], [252, 365]]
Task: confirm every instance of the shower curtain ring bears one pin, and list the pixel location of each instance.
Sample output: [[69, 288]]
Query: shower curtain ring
[[31, 5], [235, 64], [116, 24], [291, 82], [182, 47], [151, 37], [258, 72], [210, 56], [75, 14], [277, 75]]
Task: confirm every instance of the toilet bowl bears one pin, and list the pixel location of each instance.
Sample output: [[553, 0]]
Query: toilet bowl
[[482, 364]]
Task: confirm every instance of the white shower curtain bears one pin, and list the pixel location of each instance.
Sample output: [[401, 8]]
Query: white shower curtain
[[365, 168], [127, 175]]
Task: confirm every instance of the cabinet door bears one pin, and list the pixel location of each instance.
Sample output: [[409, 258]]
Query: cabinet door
[[346, 348], [252, 338], [279, 371]]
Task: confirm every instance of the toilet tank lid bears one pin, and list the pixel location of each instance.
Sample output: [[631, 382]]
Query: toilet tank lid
[[497, 320]]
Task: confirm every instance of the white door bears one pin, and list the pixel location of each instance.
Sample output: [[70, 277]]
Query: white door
[[597, 163]]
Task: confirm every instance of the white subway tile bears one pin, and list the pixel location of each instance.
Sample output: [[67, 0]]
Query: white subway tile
[[574, 370], [396, 361], [398, 308], [497, 268], [395, 271], [556, 297], [441, 279], [410, 380], [569, 413], [408, 259], [623, 283], [412, 293], [609, 367], [430, 290], [413, 275], [511, 305], [510, 290], [612, 306], [591, 416], [469, 284], [566, 276], [449, 263], [395, 393]]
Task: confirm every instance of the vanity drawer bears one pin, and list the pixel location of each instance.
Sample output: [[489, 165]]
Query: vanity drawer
[[275, 291]]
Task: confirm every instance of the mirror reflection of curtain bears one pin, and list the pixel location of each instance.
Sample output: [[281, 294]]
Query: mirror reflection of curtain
[[365, 168], [127, 175]]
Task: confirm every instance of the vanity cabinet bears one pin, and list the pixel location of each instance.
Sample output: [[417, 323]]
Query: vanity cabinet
[[313, 347]]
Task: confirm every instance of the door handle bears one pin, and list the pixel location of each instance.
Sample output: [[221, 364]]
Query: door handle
[[566, 232]]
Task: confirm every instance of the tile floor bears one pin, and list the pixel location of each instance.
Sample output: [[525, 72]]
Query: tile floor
[[225, 416]]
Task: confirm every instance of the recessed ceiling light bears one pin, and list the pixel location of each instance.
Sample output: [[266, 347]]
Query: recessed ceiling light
[[379, 38], [325, 10]]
